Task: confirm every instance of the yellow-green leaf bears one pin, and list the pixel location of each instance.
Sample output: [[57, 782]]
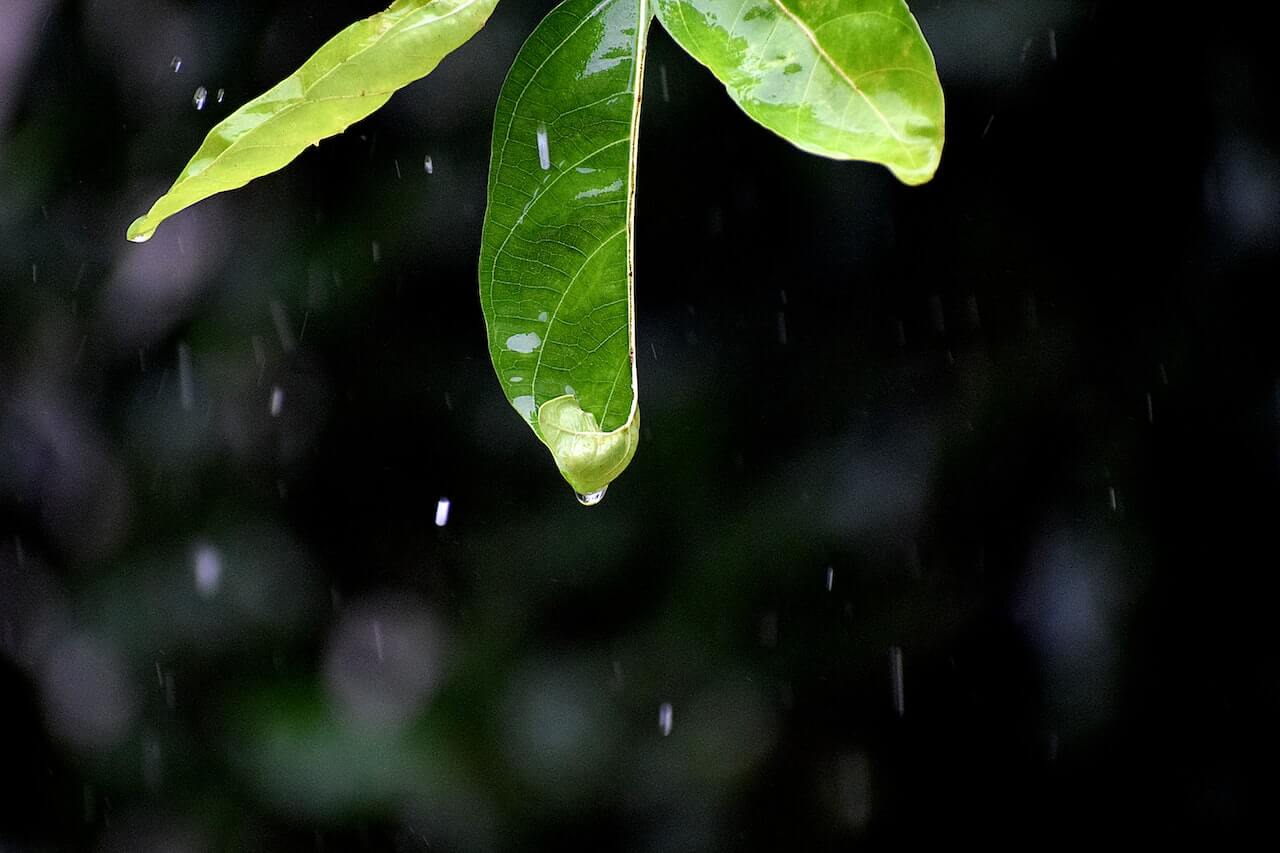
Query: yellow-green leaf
[[848, 79], [352, 75]]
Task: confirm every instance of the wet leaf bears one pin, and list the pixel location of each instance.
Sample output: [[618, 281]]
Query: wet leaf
[[351, 76], [849, 79], [555, 262]]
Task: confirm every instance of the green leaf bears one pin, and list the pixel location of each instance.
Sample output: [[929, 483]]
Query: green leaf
[[849, 79], [352, 75], [556, 256]]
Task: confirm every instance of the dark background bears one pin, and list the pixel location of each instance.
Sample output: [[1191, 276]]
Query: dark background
[[954, 517]]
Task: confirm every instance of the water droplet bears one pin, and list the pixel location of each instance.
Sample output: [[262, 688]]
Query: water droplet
[[175, 64], [442, 512], [222, 93], [665, 718], [592, 498], [428, 165], [525, 343], [201, 95], [376, 251], [831, 576], [662, 77], [208, 571], [895, 673], [284, 331], [186, 379], [544, 147], [277, 401]]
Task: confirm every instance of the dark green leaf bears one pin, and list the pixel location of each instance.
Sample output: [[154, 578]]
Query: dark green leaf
[[555, 262]]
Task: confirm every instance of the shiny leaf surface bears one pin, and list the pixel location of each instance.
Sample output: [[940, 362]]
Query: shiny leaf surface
[[555, 263], [351, 76], [849, 79]]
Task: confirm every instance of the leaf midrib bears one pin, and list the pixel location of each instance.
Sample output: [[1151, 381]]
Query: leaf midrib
[[835, 66]]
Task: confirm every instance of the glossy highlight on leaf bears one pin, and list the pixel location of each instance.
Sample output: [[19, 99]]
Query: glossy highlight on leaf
[[848, 79], [556, 254], [351, 76]]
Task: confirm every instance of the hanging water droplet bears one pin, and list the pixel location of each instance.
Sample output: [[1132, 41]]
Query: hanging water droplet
[[222, 93], [201, 95], [544, 147], [665, 718], [592, 498], [428, 165], [175, 64]]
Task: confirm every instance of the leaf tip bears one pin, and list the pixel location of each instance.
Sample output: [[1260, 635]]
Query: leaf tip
[[141, 230], [587, 458]]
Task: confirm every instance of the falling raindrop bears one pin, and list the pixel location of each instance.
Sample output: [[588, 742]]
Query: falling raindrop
[[592, 498], [377, 252], [442, 512], [277, 401], [544, 147], [831, 577], [208, 571], [895, 672], [284, 331], [662, 77], [175, 64], [665, 718], [201, 95], [428, 165], [186, 382], [222, 93], [1053, 44], [397, 165]]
